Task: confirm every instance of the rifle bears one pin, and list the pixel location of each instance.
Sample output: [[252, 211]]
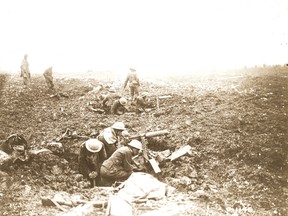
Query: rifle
[[144, 146]]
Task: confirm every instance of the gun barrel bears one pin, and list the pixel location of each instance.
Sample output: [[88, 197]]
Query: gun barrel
[[149, 134], [136, 136], [156, 133]]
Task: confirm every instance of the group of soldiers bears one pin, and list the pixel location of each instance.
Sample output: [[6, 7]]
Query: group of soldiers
[[113, 103], [26, 75], [116, 103], [109, 157]]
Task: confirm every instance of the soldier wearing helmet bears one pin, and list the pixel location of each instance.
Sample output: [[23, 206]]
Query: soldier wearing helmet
[[112, 89], [111, 136], [118, 107], [141, 102], [91, 156], [134, 83], [109, 100], [125, 138], [120, 165], [114, 103]]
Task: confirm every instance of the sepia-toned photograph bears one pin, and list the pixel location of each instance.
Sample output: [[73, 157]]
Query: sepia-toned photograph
[[143, 108]]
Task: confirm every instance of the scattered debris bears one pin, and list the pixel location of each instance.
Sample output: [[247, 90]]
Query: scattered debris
[[97, 110], [155, 165], [161, 97], [59, 95], [55, 147], [143, 186], [255, 154], [119, 205], [180, 152], [4, 157], [17, 147], [39, 151]]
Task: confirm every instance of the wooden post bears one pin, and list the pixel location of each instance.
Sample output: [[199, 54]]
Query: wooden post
[[157, 102], [154, 165]]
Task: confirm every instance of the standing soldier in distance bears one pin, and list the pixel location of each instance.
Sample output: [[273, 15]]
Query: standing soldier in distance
[[134, 84], [25, 72], [48, 77]]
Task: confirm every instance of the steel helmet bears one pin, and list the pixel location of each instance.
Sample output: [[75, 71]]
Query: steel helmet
[[118, 126], [93, 145], [123, 101], [112, 89], [135, 144], [145, 94]]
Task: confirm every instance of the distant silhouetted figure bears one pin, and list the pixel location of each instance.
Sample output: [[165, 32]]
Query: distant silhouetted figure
[[25, 72], [134, 84], [49, 77]]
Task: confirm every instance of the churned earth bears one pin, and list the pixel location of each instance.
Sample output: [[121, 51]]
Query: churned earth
[[236, 125]]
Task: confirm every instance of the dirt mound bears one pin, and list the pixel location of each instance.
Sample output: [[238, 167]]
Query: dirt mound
[[237, 128]]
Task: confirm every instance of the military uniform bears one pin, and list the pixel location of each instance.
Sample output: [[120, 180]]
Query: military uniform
[[117, 108], [91, 162], [118, 166], [49, 78], [134, 83], [25, 72], [109, 138], [140, 103], [108, 101]]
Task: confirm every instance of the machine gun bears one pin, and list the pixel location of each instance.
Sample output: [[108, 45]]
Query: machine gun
[[146, 154]]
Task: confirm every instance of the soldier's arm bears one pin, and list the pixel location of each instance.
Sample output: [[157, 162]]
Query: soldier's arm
[[83, 166], [103, 154], [114, 107], [127, 162], [104, 101]]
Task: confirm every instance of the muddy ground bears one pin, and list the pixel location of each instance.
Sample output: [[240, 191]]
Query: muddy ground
[[236, 125]]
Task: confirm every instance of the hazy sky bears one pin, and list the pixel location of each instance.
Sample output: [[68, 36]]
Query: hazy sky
[[149, 35]]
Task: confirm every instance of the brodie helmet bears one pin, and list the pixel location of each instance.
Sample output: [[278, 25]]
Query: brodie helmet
[[123, 101], [145, 94], [118, 126], [112, 89], [93, 145], [135, 144]]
